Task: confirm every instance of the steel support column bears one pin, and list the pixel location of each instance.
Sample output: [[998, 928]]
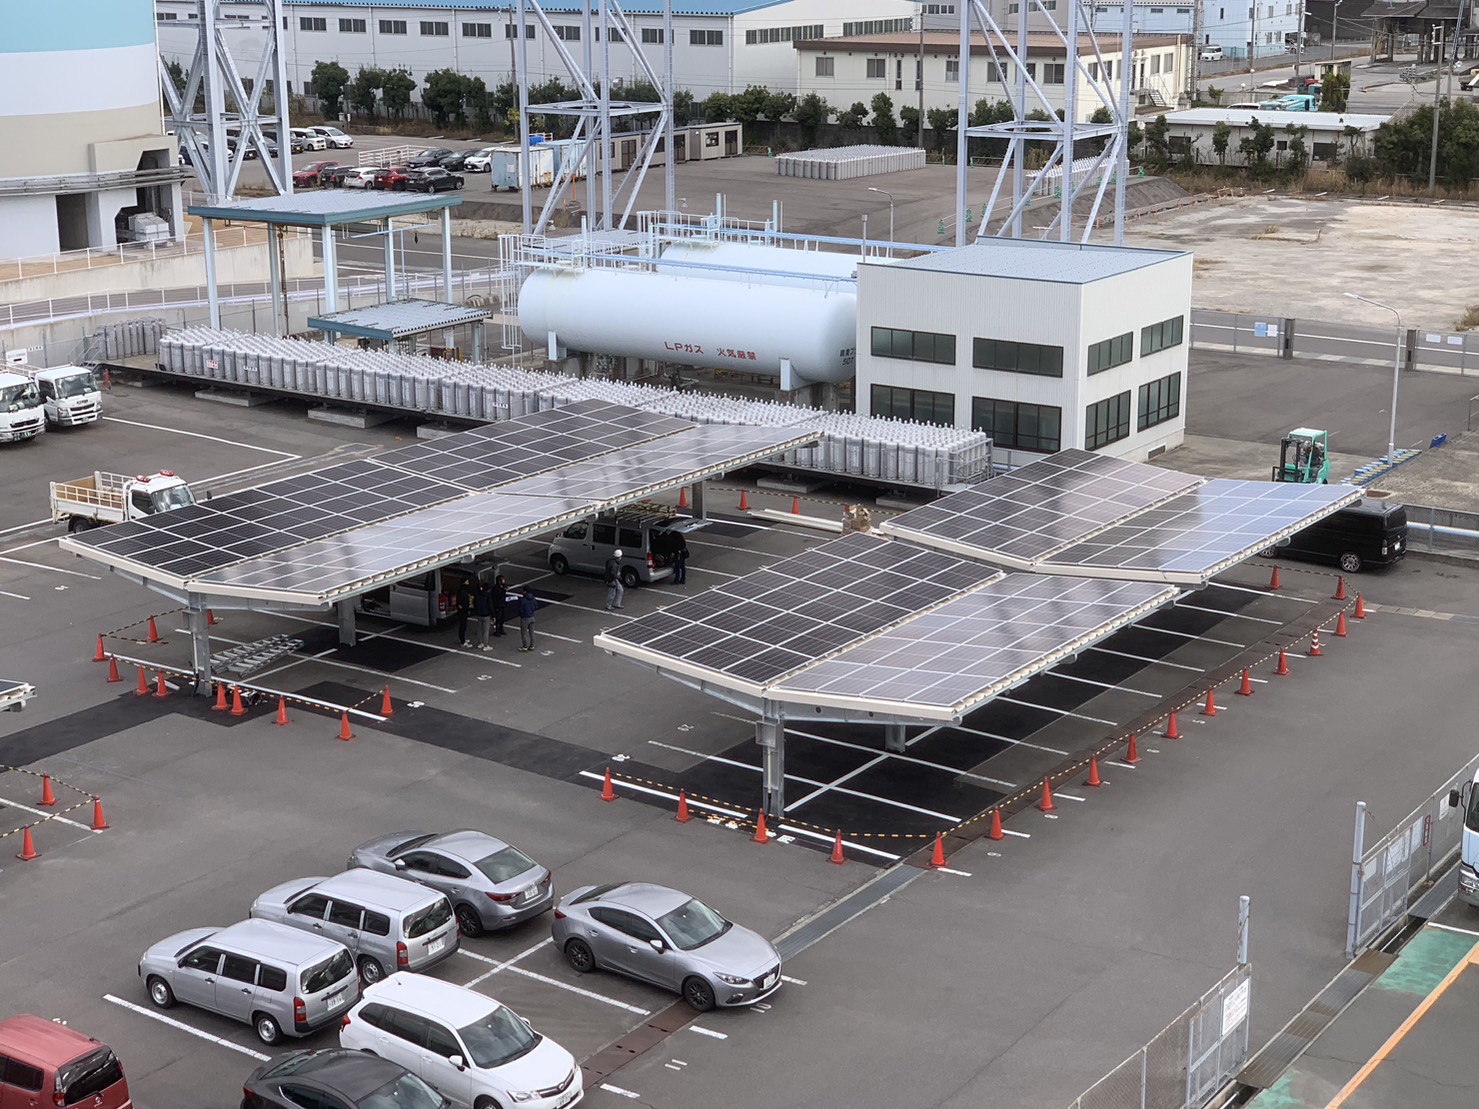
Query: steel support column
[[197, 621], [389, 262], [770, 733], [274, 246], [893, 739], [345, 612], [447, 255], [699, 507], [331, 276]]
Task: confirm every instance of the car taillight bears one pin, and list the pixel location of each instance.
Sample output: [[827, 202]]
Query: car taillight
[[59, 1097], [559, 915], [345, 1022], [246, 1095], [300, 1010], [402, 956], [502, 898], [651, 561]]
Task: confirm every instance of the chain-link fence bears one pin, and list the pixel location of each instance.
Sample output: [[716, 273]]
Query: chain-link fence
[[1402, 863], [1193, 1057]]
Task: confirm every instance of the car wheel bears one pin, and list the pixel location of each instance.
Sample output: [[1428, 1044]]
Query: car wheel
[[559, 564], [698, 993], [468, 921], [579, 955], [431, 188], [370, 971], [629, 577], [1350, 562], [486, 1103], [160, 993], [266, 1028]]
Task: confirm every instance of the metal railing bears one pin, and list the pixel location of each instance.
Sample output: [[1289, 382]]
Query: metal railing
[[70, 261], [1291, 337], [1442, 530]]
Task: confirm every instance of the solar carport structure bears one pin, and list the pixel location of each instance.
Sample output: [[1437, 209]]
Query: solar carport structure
[[973, 595], [323, 538]]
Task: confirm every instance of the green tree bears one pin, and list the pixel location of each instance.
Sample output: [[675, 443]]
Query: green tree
[[364, 89], [1102, 115], [1134, 134], [943, 122], [854, 117], [395, 91], [329, 80], [444, 96], [811, 112], [885, 126], [718, 107], [683, 105], [749, 106], [1256, 145], [1335, 91], [1221, 136], [1158, 142], [1214, 94], [1298, 149], [985, 113], [1402, 147], [908, 124], [778, 105], [480, 100]]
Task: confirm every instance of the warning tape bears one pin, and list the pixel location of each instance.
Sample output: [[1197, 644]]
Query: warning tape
[[54, 780], [49, 816], [114, 634]]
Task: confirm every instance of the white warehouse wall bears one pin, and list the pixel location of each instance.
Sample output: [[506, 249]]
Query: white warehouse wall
[[28, 226]]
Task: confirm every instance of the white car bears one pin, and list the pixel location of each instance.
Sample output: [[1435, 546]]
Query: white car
[[362, 178], [334, 137], [468, 1046], [309, 139], [481, 162], [1210, 54]]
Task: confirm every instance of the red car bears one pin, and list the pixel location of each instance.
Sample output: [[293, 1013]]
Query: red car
[[50, 1064], [391, 177], [313, 173]]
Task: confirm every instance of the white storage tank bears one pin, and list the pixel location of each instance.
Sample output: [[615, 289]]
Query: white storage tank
[[809, 268], [798, 335]]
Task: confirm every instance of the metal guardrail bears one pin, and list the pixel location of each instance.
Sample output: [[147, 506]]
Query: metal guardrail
[[1294, 337], [1443, 530], [70, 261]]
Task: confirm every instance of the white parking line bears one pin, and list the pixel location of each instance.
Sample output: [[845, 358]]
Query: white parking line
[[1260, 592], [1103, 685], [43, 812], [894, 754], [1234, 615], [1002, 738], [53, 569], [503, 965], [869, 765], [554, 981], [183, 1027], [851, 845], [1191, 635], [702, 1031], [1060, 712], [1152, 661], [17, 596], [199, 435], [734, 814], [320, 657], [610, 1089]]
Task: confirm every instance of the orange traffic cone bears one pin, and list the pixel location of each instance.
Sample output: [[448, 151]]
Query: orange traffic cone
[[160, 689], [1315, 651], [1046, 804], [237, 708], [1132, 753], [1339, 589], [99, 654], [344, 732], [386, 708], [837, 856], [761, 835], [1094, 779], [153, 631], [113, 670], [282, 712], [1210, 708], [682, 817], [1360, 613], [210, 618], [937, 857], [795, 506], [220, 705], [1273, 582], [607, 793], [1283, 668], [1172, 732], [28, 849], [47, 797], [143, 688], [744, 501], [99, 821], [1246, 689], [1340, 628], [996, 832], [683, 496]]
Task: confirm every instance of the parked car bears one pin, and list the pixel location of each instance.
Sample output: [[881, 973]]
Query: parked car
[[468, 1046], [432, 179], [334, 138], [659, 935], [428, 157], [480, 161], [647, 543], [361, 177], [491, 883], [456, 161], [1210, 54], [43, 1062], [277, 979], [309, 139], [387, 923], [313, 173], [334, 1078], [1366, 533], [334, 178], [390, 177]]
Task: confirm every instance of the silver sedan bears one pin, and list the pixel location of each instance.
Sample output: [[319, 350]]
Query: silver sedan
[[491, 884], [669, 939]]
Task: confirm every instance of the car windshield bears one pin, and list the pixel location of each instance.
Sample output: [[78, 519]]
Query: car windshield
[[405, 1092], [325, 974], [428, 920], [16, 397], [176, 496], [693, 924], [92, 1074], [500, 1037], [74, 385], [509, 862]]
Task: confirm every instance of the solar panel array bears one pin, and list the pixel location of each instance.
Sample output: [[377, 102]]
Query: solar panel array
[[1200, 531], [976, 643], [769, 623], [1041, 507]]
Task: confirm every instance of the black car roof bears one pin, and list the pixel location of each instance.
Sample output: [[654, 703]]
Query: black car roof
[[354, 1074]]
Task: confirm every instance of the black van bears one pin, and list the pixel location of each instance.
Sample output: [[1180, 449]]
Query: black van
[[1366, 533]]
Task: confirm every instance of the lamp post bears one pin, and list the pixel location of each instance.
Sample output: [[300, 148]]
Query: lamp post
[[890, 196], [1396, 372], [1334, 28]]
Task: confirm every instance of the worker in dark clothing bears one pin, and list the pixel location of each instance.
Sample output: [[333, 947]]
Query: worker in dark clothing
[[463, 601], [482, 608], [528, 606], [615, 590], [680, 561], [498, 599]]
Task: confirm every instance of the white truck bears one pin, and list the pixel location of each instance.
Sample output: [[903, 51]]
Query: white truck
[[105, 498], [1466, 800], [21, 413], [14, 695], [69, 394]]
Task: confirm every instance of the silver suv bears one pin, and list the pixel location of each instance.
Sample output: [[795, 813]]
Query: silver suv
[[647, 543]]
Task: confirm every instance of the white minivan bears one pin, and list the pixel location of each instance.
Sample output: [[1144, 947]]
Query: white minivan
[[1211, 54]]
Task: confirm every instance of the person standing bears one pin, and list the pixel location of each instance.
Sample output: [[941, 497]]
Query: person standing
[[499, 602], [482, 608], [615, 589], [680, 562], [528, 606], [464, 610]]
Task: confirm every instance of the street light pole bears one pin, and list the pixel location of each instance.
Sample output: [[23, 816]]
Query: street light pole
[[885, 192], [1396, 372], [1334, 29]]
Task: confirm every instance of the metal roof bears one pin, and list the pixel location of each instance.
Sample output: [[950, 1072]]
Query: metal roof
[[1243, 117], [630, 7], [1039, 260], [1039, 43], [398, 319], [325, 207]]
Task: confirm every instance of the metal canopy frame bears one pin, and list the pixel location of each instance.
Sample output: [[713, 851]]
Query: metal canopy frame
[[399, 319]]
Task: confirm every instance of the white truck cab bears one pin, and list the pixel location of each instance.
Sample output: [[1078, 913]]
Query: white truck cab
[[21, 413], [105, 498], [69, 394], [1466, 800]]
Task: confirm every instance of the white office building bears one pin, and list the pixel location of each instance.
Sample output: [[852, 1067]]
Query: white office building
[[1043, 345]]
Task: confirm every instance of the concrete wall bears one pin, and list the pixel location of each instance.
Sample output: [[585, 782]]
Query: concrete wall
[[28, 226]]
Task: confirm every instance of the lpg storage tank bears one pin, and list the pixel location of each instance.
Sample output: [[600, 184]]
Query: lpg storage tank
[[800, 335], [803, 268]]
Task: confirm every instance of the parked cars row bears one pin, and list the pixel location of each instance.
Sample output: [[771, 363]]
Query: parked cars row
[[330, 175]]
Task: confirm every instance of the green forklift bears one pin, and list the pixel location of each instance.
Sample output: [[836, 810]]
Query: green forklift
[[1304, 457]]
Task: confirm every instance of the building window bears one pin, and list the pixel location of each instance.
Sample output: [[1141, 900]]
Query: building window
[[1111, 353], [165, 17], [1016, 426], [784, 34], [1017, 358], [705, 38], [569, 34], [1107, 422], [877, 69], [392, 26], [510, 30], [435, 28], [917, 346], [826, 67], [312, 23], [477, 30], [876, 27], [993, 72], [1052, 73], [351, 26], [914, 404], [1160, 400], [651, 35], [1161, 336], [952, 71]]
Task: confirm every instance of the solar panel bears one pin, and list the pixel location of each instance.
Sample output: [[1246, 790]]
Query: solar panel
[[1040, 507], [973, 646], [1202, 532], [769, 623]]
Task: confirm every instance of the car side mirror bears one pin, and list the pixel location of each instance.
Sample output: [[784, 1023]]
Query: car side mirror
[[400, 864], [658, 946], [457, 1061], [1453, 798]]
